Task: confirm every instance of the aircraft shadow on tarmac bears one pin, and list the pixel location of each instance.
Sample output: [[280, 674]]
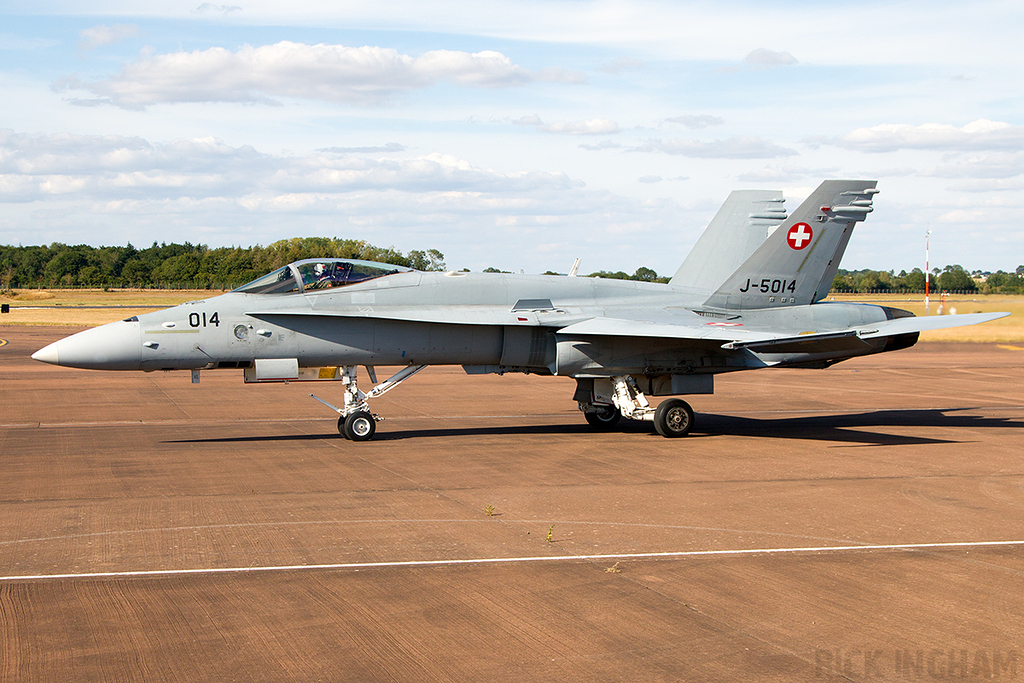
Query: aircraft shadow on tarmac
[[850, 428], [854, 428]]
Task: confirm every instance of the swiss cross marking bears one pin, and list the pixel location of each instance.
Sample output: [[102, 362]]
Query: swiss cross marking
[[799, 236]]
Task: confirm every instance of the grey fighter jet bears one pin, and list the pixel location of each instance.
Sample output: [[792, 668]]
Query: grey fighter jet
[[749, 295]]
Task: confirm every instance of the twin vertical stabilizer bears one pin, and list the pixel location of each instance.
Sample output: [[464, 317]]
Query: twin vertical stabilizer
[[797, 263], [743, 223]]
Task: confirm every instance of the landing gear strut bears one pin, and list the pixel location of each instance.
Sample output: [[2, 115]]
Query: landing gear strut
[[619, 396], [356, 422], [602, 417]]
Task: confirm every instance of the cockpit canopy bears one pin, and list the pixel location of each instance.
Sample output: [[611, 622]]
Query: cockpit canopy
[[318, 274]]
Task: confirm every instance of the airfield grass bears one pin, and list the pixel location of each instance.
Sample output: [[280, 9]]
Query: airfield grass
[[61, 307]]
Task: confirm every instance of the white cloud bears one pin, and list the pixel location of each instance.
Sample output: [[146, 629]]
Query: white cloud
[[209, 7], [786, 174], [529, 120], [390, 148], [954, 33], [603, 145], [990, 185], [979, 135], [764, 58], [109, 166], [960, 216], [584, 127], [696, 121], [622, 64], [985, 165], [112, 189], [336, 73], [744, 147], [105, 35], [772, 175]]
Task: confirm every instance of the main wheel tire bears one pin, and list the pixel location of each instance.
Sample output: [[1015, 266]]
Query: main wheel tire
[[673, 418], [360, 426], [605, 418]]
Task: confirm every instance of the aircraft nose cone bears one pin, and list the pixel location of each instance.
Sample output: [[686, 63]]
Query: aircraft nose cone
[[47, 354], [115, 346]]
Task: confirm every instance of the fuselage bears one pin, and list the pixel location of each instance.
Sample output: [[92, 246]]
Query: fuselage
[[492, 322]]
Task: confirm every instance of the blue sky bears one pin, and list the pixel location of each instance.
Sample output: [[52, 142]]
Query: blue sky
[[519, 135]]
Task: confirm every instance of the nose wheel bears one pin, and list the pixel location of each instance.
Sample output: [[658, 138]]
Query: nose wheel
[[359, 426]]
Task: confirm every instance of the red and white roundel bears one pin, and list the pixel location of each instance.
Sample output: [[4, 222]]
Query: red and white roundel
[[725, 324], [799, 236]]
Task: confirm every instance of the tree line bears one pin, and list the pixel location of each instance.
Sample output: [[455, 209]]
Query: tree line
[[189, 266], [183, 266], [952, 278]]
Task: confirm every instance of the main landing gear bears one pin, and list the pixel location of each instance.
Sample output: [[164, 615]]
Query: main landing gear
[[619, 396], [356, 422]]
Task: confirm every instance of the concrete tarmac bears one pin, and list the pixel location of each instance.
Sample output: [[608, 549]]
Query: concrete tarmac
[[151, 529]]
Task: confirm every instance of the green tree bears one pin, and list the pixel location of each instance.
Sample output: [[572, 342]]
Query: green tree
[[645, 274], [617, 275], [842, 283], [955, 278], [430, 260], [177, 269], [869, 281], [915, 280]]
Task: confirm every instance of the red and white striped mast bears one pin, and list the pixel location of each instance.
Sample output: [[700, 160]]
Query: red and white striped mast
[[926, 265]]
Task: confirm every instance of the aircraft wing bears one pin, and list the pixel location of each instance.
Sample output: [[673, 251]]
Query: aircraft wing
[[722, 333], [736, 336]]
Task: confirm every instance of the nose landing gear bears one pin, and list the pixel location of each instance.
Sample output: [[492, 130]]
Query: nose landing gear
[[356, 422]]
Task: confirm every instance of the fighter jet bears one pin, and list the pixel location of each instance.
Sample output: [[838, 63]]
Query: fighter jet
[[749, 295]]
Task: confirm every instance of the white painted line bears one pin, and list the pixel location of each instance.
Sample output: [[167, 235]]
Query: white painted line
[[507, 560]]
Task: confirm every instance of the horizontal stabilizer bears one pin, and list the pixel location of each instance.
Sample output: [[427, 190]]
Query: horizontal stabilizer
[[852, 338], [889, 328]]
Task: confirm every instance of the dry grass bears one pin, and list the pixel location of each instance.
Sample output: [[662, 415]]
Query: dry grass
[[59, 306], [1010, 329], [53, 307]]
